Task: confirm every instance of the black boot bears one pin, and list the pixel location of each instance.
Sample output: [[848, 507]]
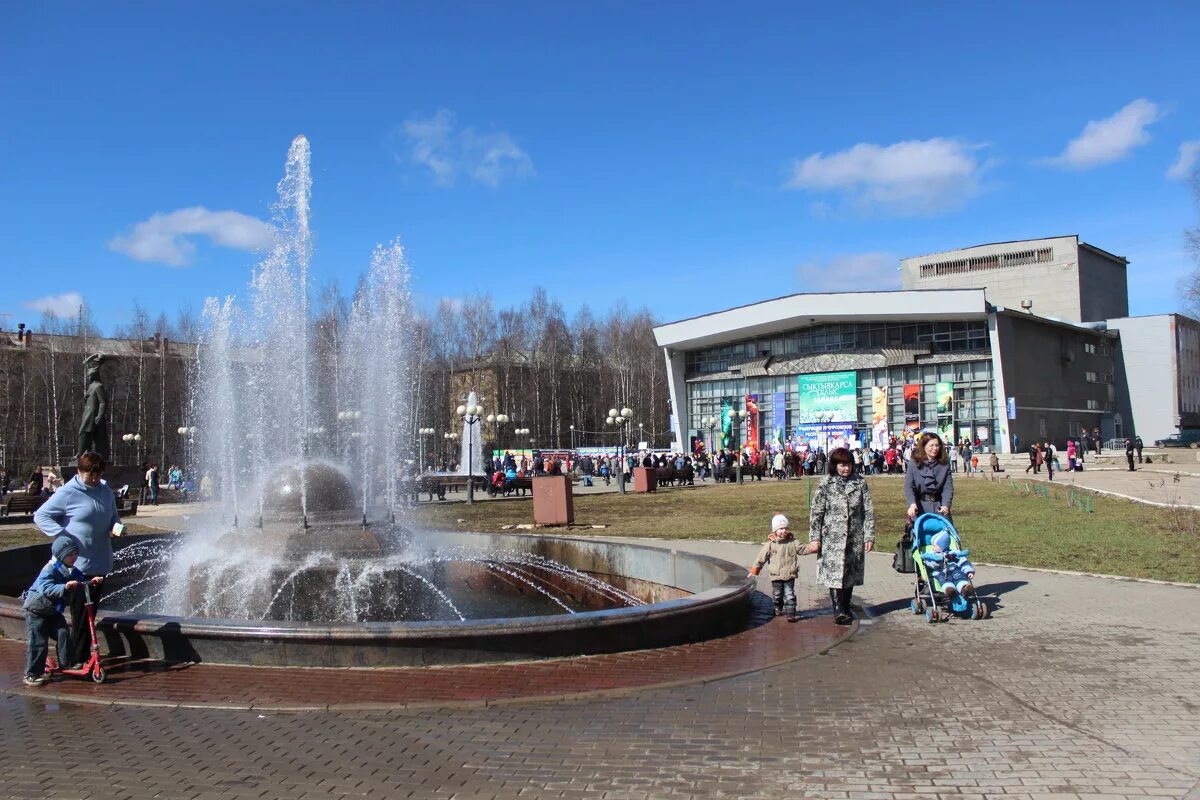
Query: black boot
[[846, 594], [840, 616]]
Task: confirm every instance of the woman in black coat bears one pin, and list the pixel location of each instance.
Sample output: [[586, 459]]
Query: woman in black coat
[[928, 485]]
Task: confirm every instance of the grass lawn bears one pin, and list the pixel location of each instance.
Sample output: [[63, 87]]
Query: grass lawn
[[997, 523], [22, 535]]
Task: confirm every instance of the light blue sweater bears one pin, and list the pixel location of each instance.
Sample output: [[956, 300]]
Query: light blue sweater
[[87, 515]]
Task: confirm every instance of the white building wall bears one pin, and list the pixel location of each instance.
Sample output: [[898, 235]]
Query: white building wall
[[1148, 348]]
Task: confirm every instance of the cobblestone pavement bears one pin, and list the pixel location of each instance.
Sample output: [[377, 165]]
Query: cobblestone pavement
[[1077, 687]]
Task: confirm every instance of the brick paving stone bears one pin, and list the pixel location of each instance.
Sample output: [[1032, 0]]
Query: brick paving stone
[[1077, 687]]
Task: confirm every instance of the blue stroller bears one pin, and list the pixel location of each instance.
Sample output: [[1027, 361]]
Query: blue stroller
[[942, 589]]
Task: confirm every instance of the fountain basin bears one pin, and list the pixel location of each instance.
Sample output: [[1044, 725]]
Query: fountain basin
[[689, 598]]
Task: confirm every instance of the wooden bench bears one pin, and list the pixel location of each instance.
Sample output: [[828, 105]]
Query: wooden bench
[[21, 503], [522, 485]]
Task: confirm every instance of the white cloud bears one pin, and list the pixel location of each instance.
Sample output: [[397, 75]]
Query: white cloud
[[164, 238], [1104, 141], [1189, 152], [447, 152], [60, 305], [906, 178], [850, 272]]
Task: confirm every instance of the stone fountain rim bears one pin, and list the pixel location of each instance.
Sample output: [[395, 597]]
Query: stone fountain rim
[[734, 589]]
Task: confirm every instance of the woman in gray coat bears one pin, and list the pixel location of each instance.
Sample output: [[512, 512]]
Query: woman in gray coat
[[928, 485], [841, 531]]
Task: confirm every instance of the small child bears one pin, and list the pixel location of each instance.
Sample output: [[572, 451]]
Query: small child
[[782, 551], [44, 602], [952, 570]]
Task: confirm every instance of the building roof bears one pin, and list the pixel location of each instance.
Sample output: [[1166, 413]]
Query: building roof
[[801, 310], [1099, 251]]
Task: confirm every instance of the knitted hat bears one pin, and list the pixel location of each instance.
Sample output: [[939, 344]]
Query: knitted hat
[[63, 546], [778, 522]]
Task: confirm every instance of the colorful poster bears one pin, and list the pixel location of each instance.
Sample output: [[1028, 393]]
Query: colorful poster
[[912, 406], [827, 397], [726, 422], [826, 435], [697, 444], [982, 433], [945, 398], [879, 415], [752, 421], [779, 417]]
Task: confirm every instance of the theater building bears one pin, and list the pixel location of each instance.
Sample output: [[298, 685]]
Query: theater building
[[962, 349]]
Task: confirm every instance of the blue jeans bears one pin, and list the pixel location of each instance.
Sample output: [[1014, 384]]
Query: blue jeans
[[38, 631], [784, 595]]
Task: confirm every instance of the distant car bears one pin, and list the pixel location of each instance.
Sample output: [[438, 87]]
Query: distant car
[[1183, 439]]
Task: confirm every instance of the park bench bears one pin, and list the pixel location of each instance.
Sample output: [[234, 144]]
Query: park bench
[[21, 503], [523, 484]]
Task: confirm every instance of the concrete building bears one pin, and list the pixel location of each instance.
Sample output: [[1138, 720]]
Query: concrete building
[[945, 359], [1007, 343], [1059, 278], [1159, 360]]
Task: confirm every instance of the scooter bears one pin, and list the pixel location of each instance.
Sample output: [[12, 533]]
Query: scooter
[[92, 667]]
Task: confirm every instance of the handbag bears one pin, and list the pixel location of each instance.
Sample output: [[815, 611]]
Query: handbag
[[903, 561]]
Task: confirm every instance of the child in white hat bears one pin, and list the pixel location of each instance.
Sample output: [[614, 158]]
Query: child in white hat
[[782, 553]]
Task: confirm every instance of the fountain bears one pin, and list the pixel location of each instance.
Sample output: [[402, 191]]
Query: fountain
[[309, 556]]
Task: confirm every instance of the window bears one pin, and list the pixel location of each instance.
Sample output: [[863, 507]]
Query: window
[[1090, 377], [998, 261], [1089, 347], [1093, 405]]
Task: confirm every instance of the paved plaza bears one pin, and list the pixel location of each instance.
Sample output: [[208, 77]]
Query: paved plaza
[[1076, 687]]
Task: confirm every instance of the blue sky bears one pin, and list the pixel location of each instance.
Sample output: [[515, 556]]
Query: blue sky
[[683, 156]]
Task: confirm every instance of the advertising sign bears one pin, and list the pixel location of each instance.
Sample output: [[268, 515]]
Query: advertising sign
[[826, 435], [779, 417], [879, 415], [1012, 408], [726, 421], [912, 406], [982, 433], [752, 421], [827, 397], [944, 392]]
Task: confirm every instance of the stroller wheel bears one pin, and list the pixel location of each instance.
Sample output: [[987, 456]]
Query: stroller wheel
[[975, 611], [932, 615], [982, 609], [916, 606]]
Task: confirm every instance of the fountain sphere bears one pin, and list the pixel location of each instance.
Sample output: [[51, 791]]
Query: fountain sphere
[[327, 489]]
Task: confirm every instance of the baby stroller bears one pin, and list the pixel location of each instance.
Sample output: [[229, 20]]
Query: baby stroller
[[939, 601]]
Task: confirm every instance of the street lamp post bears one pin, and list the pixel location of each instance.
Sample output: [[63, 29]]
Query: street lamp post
[[450, 438], [572, 437], [711, 424], [470, 415], [190, 433], [497, 420], [620, 418], [422, 433]]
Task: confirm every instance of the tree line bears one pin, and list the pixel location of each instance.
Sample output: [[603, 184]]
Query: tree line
[[546, 369]]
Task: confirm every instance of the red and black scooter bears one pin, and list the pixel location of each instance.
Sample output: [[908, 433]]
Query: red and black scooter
[[92, 666]]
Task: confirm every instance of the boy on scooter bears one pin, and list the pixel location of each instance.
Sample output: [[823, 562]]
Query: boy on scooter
[[44, 603]]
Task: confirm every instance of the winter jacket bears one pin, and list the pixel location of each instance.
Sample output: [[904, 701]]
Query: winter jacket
[[782, 554], [842, 520], [47, 596], [88, 514]]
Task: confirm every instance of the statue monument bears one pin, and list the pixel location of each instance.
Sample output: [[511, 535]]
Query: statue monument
[[93, 425]]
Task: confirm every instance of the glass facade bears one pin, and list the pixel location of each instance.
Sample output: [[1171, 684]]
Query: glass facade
[[940, 337], [976, 410]]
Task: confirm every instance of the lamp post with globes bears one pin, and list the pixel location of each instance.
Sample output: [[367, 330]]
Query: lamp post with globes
[[620, 418], [450, 439], [422, 433], [190, 433], [471, 416], [710, 424], [496, 421]]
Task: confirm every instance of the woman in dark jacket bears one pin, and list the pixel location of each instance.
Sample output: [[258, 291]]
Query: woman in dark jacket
[[928, 485]]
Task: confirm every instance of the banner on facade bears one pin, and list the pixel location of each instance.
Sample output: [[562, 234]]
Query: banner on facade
[[944, 392], [696, 444], [826, 435], [912, 406], [726, 421], [827, 397], [879, 415], [751, 406], [779, 417]]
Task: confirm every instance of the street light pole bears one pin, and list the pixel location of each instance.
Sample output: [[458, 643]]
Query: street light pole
[[741, 416], [620, 418], [497, 420], [471, 416]]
